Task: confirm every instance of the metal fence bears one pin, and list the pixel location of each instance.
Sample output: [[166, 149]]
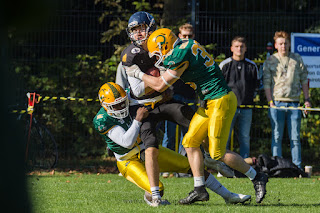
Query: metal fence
[[219, 21], [74, 29]]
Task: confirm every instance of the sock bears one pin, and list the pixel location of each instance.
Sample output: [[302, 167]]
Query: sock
[[214, 185], [155, 192], [198, 181], [251, 173]]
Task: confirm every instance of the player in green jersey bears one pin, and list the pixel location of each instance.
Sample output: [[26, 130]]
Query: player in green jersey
[[188, 60], [120, 132]]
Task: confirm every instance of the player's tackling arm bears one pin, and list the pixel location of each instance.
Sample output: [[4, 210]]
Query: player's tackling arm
[[164, 81], [138, 87], [159, 83]]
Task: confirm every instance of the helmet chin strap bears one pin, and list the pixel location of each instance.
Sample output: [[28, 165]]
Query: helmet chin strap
[[157, 64], [140, 42], [161, 57]]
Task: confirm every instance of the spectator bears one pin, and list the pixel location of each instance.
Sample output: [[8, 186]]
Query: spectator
[[186, 31], [241, 76], [284, 75]]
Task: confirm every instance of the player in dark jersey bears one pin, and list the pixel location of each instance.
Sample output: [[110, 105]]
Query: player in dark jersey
[[120, 132], [189, 61], [135, 57]]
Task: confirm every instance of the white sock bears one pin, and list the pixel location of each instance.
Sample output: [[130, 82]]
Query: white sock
[[214, 185], [155, 192], [198, 181], [251, 173]]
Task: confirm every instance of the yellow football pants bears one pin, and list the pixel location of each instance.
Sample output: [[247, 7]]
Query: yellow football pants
[[214, 122], [169, 161]]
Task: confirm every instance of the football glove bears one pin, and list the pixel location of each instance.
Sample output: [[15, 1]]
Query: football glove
[[134, 71]]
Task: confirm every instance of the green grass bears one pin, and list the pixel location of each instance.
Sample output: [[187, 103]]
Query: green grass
[[77, 192]]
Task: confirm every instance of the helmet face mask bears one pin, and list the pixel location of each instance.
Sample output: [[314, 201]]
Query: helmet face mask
[[119, 109], [160, 43], [142, 21], [114, 100]]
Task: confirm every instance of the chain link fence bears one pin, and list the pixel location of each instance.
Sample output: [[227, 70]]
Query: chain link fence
[[66, 54]]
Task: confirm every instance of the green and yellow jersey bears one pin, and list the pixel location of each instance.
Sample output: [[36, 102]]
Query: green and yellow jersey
[[202, 72], [103, 123]]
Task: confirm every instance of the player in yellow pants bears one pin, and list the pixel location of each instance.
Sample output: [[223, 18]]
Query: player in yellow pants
[[214, 123], [134, 170], [120, 133], [187, 60]]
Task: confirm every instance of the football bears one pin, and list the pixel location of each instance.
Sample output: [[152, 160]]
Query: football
[[154, 71]]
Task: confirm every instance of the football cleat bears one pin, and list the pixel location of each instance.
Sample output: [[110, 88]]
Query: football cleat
[[165, 174], [183, 175], [237, 198], [159, 202], [146, 200], [195, 196], [154, 202], [219, 166], [259, 183]]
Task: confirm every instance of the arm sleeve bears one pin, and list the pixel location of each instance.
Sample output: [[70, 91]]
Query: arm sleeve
[[136, 86], [304, 72], [223, 71], [223, 68], [221, 65], [121, 77], [125, 138]]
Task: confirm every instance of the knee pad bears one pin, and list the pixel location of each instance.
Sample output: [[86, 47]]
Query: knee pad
[[189, 141]]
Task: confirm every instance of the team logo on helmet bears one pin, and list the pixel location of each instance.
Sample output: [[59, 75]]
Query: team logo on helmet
[[132, 24], [159, 40]]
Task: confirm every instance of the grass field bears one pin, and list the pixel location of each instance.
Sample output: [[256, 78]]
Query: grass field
[[82, 192]]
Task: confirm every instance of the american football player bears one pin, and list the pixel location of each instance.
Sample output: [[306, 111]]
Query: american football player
[[121, 133], [160, 105], [189, 61]]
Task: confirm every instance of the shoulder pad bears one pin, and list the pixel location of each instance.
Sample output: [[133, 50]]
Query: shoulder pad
[[128, 54], [102, 121]]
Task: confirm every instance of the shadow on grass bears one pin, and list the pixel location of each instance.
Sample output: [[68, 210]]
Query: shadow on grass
[[252, 205], [106, 165], [290, 204]]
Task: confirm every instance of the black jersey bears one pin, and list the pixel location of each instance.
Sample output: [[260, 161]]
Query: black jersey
[[136, 55], [241, 77]]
